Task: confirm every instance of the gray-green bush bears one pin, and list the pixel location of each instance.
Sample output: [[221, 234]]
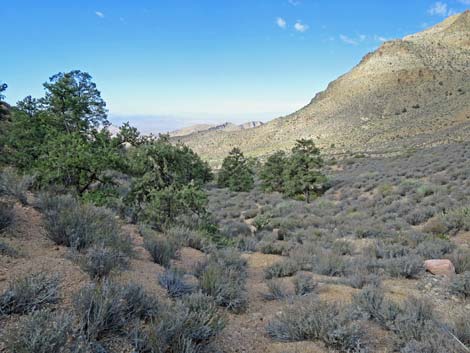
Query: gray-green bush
[[30, 293]]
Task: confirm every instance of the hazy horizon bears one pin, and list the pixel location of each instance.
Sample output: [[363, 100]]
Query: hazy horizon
[[176, 63]]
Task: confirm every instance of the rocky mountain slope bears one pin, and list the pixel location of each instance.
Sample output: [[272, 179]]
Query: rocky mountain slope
[[408, 93], [195, 129]]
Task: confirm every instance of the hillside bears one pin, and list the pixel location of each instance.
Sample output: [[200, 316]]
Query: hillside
[[200, 128], [408, 93]]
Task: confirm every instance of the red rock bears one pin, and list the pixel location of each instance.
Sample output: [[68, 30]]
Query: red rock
[[442, 267]]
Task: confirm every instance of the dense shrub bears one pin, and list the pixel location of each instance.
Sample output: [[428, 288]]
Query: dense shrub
[[13, 185], [434, 248], [173, 281], [187, 326], [406, 266], [162, 250], [371, 302], [457, 219], [461, 260], [6, 215], [7, 250], [100, 261], [276, 290], [461, 285], [329, 264], [304, 284], [78, 226], [223, 277], [414, 320], [284, 268], [40, 332], [29, 293], [109, 308], [313, 319]]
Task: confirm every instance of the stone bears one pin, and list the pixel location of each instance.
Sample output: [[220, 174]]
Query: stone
[[441, 267]]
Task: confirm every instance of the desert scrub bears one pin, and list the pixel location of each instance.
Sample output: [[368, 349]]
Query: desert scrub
[[7, 250], [6, 215], [100, 261], [223, 277], [109, 308], [460, 285], [14, 185], [161, 249], [41, 332], [188, 325], [276, 290], [78, 226], [434, 248], [457, 219], [405, 266], [30, 293], [285, 268], [174, 283], [461, 260], [329, 264], [371, 303], [304, 284], [312, 319]]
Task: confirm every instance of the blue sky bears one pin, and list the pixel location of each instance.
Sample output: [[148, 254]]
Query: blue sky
[[168, 63]]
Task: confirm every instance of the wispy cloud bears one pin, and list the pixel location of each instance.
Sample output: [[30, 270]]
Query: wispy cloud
[[281, 23], [348, 40], [442, 9], [300, 27], [465, 2], [294, 2], [380, 38], [99, 14]]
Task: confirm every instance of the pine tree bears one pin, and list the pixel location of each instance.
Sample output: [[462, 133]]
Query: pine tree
[[303, 174], [236, 172], [272, 172]]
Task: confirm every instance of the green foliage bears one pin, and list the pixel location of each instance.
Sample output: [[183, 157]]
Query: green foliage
[[236, 172], [272, 172], [167, 182], [303, 175], [58, 137]]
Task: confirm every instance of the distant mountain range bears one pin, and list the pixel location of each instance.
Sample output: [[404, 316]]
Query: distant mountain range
[[408, 93], [200, 128]]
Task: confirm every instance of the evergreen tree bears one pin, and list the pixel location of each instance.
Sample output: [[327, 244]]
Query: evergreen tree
[[272, 172], [303, 174], [236, 172]]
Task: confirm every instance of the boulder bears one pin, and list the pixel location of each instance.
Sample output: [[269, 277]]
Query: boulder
[[441, 267]]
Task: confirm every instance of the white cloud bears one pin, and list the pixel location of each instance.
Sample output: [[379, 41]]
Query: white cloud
[[348, 40], [380, 38], [99, 14], [281, 22], [300, 27], [442, 9], [465, 2], [294, 2]]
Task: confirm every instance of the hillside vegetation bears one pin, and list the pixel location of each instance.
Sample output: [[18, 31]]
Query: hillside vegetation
[[408, 93], [133, 244]]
